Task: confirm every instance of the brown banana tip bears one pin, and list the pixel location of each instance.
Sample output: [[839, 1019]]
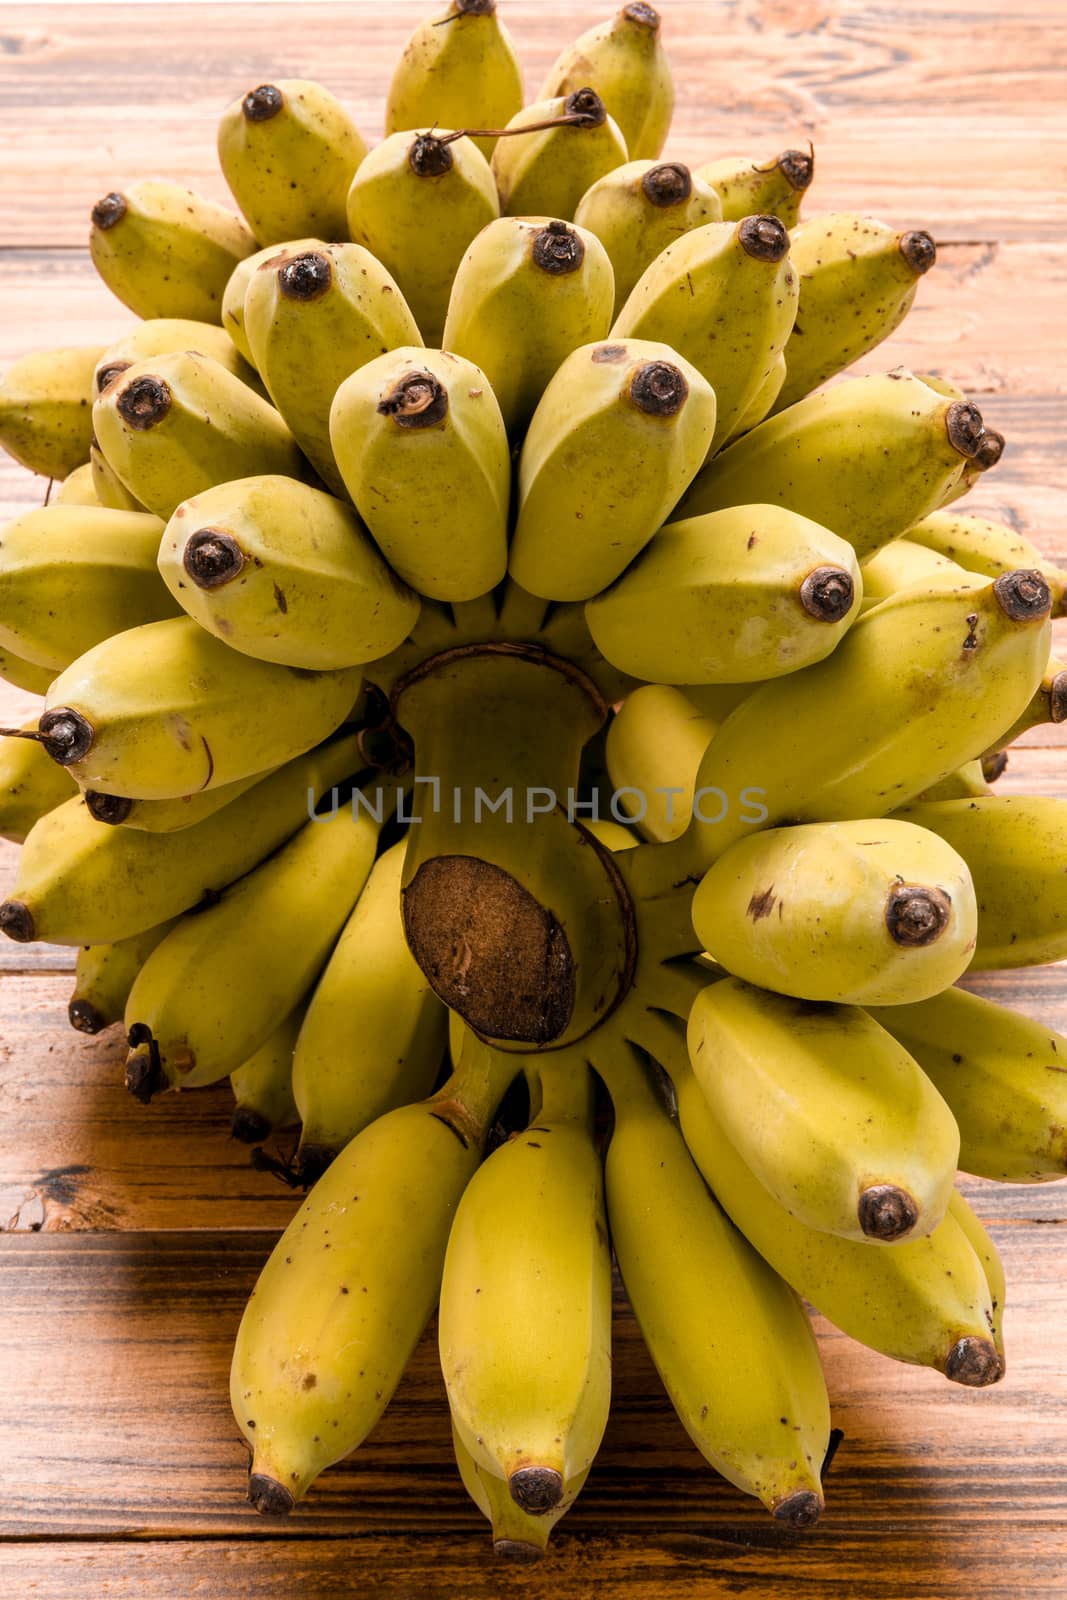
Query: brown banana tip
[[800, 1510], [312, 1161], [974, 1362], [1024, 596], [659, 389], [536, 1490], [84, 1016], [417, 400], [66, 735], [797, 167], [259, 105], [144, 1071], [995, 766], [645, 16], [517, 1550], [827, 594], [668, 184], [105, 376], [110, 808], [964, 426], [305, 277], [475, 8], [212, 557], [429, 157], [917, 915], [918, 250], [886, 1212], [558, 249], [109, 210], [990, 449], [16, 921], [587, 106], [1057, 697], [763, 238], [143, 402], [270, 1498], [249, 1126]]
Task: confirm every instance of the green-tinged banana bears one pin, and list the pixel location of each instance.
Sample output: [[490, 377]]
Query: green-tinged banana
[[624, 61], [31, 785], [80, 882], [987, 547], [288, 151], [1047, 705], [827, 1110], [988, 1255], [1015, 846], [524, 1324], [284, 573], [866, 458], [77, 488], [416, 203], [517, 1534], [858, 279], [105, 974], [655, 743], [620, 431], [963, 784], [418, 436], [1003, 1076], [731, 1341], [924, 1301], [724, 296], [45, 417], [863, 912], [176, 424], [639, 209], [108, 486], [762, 402], [458, 70], [25, 675], [162, 336], [223, 980], [311, 318], [745, 594], [905, 565], [353, 1281], [546, 171], [746, 185], [263, 1085], [166, 709], [233, 299], [525, 295], [71, 576], [165, 251], [374, 1034]]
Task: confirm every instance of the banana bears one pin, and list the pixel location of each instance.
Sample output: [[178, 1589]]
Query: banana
[[79, 882], [867, 458], [555, 150], [45, 420], [1003, 1076], [165, 251], [30, 785], [284, 573], [827, 1110], [71, 576], [24, 674], [107, 485], [77, 488], [878, 913], [762, 402], [858, 279], [1047, 705], [163, 336], [176, 424], [263, 1085], [1015, 847], [906, 565], [987, 547], [730, 1340], [524, 1324], [963, 784], [989, 451], [288, 151], [624, 61], [746, 185], [525, 295], [165, 710], [104, 975], [223, 980], [233, 298], [457, 70], [517, 1535], [723, 296], [351, 1284], [374, 1034], [618, 434], [924, 1301], [167, 816], [717, 700], [311, 318], [417, 434], [745, 594], [416, 203], [640, 208], [655, 743], [988, 1255]]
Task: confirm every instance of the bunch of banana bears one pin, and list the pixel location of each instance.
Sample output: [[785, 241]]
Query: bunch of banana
[[494, 691]]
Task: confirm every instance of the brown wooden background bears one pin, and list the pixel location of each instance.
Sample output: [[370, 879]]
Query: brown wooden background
[[132, 1236]]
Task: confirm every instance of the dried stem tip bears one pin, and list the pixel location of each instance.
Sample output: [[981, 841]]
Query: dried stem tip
[[249, 1126], [668, 184], [429, 157], [558, 249], [974, 1362], [763, 238], [16, 921], [109, 210], [212, 557], [645, 16], [305, 277], [144, 1072], [1024, 596], [827, 594], [65, 734], [143, 403], [259, 105], [475, 8], [964, 426], [659, 389], [918, 250], [990, 449], [107, 375], [797, 168], [536, 1489], [417, 400], [110, 808], [84, 1016], [587, 107], [800, 1510], [517, 1550], [1057, 698], [270, 1498], [917, 915], [886, 1212]]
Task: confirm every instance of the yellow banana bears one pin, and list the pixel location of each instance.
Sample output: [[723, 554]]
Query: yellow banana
[[165, 251], [747, 185], [104, 975], [24, 674], [1048, 704], [162, 336], [571, 142], [517, 1535], [640, 208], [167, 816], [457, 70], [107, 485], [655, 743], [715, 701], [988, 1255], [987, 547], [77, 488], [31, 785], [624, 61], [963, 784], [906, 565], [233, 298], [263, 1085], [620, 431], [762, 402], [45, 417]]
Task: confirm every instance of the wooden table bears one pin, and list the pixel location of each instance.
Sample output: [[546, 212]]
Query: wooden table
[[133, 1236]]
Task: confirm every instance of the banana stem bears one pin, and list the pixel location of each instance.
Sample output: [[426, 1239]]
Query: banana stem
[[568, 1093], [469, 1100]]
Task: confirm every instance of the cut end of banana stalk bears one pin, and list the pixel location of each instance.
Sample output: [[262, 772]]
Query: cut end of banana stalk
[[537, 1490], [84, 1016], [270, 1498], [66, 735], [975, 1363], [249, 1126], [1024, 596], [886, 1212], [417, 400], [16, 921], [800, 1510]]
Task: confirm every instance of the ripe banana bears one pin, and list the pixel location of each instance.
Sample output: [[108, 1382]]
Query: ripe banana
[[263, 1085], [624, 61], [987, 547], [24, 674], [107, 485], [104, 975], [176, 424], [747, 186], [165, 251], [907, 565], [417, 434], [233, 298], [31, 785], [288, 151], [517, 1535], [164, 336], [762, 402], [311, 318], [416, 203], [1047, 705], [458, 70], [77, 488], [45, 420], [724, 296], [963, 784], [374, 1034], [988, 1255], [863, 913], [858, 279], [655, 743], [1003, 1076], [571, 142], [168, 816], [619, 433], [284, 573]]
